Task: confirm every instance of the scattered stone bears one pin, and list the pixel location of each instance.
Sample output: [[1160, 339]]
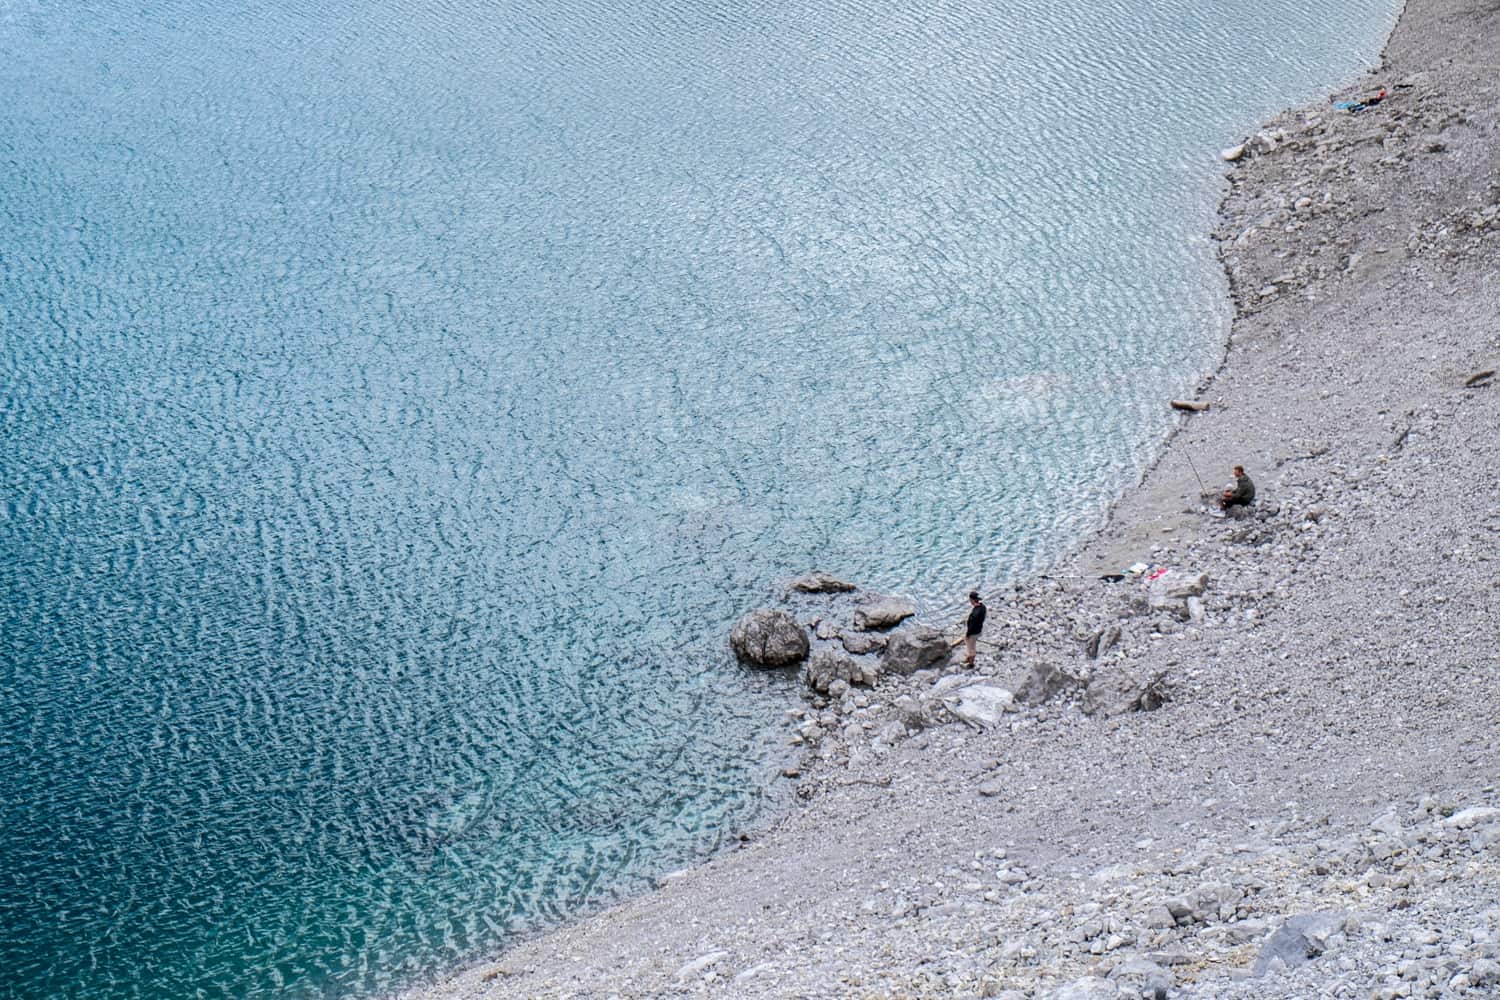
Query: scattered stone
[[769, 637], [1189, 405]]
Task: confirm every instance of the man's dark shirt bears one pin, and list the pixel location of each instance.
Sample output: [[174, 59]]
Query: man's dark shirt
[[1244, 491], [976, 620]]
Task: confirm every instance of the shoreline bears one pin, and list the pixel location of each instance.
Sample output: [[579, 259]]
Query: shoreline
[[1329, 730]]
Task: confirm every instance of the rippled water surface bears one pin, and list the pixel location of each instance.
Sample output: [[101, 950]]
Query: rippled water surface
[[400, 399]]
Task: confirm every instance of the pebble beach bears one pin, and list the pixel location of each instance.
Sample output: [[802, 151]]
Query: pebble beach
[[1273, 773]]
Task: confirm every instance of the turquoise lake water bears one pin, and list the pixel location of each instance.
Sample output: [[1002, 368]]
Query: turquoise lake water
[[399, 401]]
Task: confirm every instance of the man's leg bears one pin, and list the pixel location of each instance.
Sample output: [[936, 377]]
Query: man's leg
[[971, 646]]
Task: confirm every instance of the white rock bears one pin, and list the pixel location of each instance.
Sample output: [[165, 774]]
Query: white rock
[[1180, 584], [753, 971], [980, 705], [700, 965], [1087, 988], [1466, 818]]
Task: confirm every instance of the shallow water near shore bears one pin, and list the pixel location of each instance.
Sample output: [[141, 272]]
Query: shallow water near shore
[[399, 403]]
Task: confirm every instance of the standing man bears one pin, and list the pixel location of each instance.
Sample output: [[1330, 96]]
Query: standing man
[[977, 611]]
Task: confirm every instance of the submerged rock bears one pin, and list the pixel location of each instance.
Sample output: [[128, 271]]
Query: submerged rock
[[819, 582], [769, 637], [883, 612]]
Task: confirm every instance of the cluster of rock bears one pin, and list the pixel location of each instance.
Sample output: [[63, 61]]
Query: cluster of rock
[[853, 645], [839, 654]]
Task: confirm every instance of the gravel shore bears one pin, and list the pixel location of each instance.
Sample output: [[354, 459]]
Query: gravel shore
[[1271, 775]]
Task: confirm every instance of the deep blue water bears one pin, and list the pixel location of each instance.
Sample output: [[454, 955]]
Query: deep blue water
[[399, 401]]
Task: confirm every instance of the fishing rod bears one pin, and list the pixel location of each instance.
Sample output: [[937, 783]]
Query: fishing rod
[[1186, 454]]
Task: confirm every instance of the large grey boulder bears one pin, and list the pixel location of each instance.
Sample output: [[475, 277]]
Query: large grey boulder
[[1116, 692], [1298, 941], [1044, 681], [883, 612], [819, 582], [915, 649], [829, 665], [769, 637]]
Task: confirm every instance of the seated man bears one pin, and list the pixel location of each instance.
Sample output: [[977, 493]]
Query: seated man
[[1241, 494]]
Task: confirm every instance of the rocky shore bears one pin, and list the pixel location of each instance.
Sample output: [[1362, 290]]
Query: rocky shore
[[1272, 771]]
